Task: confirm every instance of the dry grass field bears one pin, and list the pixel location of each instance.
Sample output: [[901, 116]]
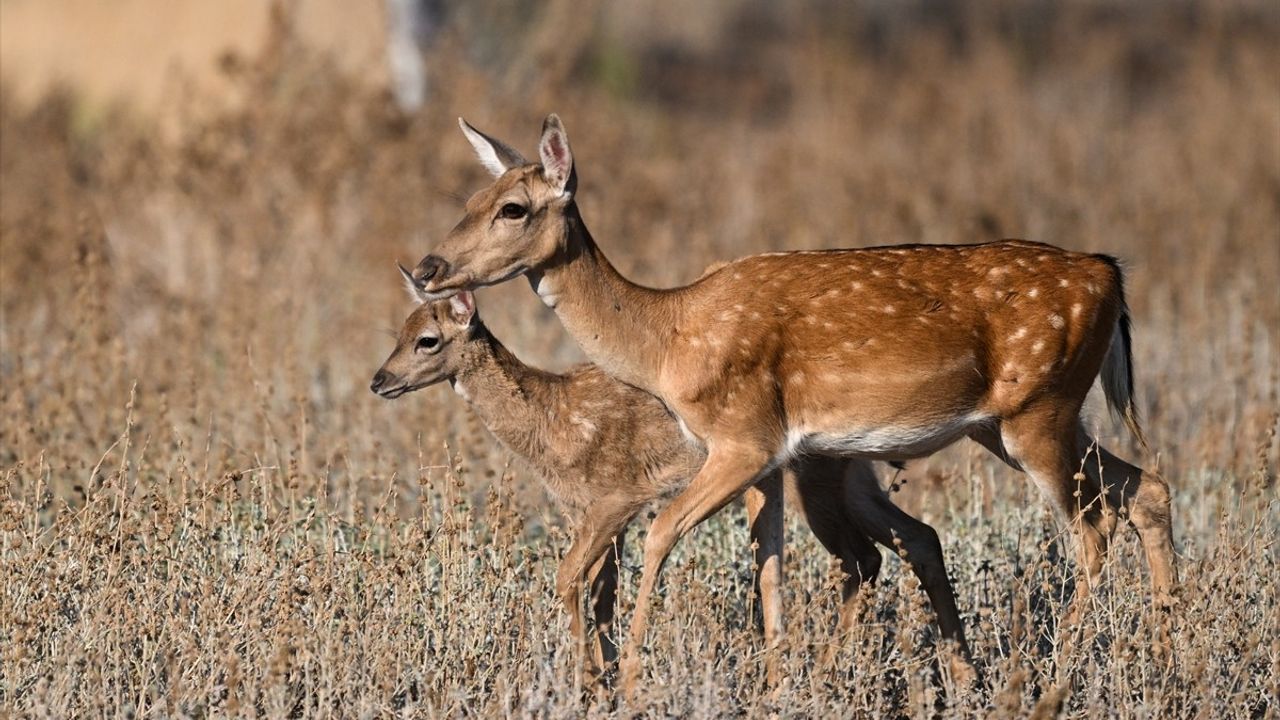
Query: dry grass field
[[204, 512]]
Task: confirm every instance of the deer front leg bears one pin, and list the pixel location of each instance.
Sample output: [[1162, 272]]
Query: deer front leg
[[765, 518], [729, 470]]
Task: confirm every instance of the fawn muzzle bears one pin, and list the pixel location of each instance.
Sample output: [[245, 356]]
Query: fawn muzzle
[[386, 384]]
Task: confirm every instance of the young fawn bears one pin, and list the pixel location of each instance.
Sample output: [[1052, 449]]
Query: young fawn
[[606, 450], [888, 353]]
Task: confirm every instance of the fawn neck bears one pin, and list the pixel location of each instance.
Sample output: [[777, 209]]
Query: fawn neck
[[621, 326], [508, 395]]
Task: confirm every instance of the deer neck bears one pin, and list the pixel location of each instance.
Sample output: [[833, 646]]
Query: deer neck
[[508, 395], [621, 326]]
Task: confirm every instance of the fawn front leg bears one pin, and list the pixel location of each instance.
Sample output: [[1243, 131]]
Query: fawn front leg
[[599, 526], [603, 578]]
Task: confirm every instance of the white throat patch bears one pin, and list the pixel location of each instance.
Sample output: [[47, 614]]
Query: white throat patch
[[548, 294], [461, 389]]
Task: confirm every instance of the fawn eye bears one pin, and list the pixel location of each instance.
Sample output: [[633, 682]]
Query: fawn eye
[[428, 342], [512, 211]]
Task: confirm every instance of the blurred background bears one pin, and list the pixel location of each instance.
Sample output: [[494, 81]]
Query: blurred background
[[210, 184], [201, 205]]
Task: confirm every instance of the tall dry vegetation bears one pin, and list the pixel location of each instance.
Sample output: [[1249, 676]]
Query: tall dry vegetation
[[205, 511]]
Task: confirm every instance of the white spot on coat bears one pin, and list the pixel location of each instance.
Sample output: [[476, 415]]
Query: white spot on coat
[[585, 426]]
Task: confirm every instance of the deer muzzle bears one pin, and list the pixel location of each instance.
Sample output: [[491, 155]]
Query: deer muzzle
[[431, 267]]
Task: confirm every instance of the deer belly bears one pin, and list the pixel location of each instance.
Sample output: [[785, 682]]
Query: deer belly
[[886, 442]]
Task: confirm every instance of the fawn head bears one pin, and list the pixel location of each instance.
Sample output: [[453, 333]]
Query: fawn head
[[428, 348], [514, 225]]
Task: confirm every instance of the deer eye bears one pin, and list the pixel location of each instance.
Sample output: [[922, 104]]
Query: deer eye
[[512, 211], [428, 343]]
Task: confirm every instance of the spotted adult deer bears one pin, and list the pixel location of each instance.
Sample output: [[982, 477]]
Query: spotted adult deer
[[606, 450], [888, 352]]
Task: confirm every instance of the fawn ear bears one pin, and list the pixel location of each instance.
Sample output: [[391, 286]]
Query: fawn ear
[[496, 156], [557, 158], [462, 307], [412, 286]]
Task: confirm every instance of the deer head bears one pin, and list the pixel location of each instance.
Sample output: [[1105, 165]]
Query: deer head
[[514, 225], [427, 349]]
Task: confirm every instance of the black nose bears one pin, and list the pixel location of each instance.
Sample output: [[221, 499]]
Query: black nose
[[430, 267], [380, 380]]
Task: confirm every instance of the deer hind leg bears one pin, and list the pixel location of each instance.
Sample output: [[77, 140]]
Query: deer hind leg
[[1038, 442], [765, 518], [1144, 496], [729, 470]]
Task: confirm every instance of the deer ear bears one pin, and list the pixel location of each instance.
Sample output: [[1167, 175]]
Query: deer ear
[[462, 307], [496, 156], [557, 158], [411, 285]]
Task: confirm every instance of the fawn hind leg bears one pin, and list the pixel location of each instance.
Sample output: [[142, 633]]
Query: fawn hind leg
[[889, 525], [847, 510], [820, 492], [818, 488]]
